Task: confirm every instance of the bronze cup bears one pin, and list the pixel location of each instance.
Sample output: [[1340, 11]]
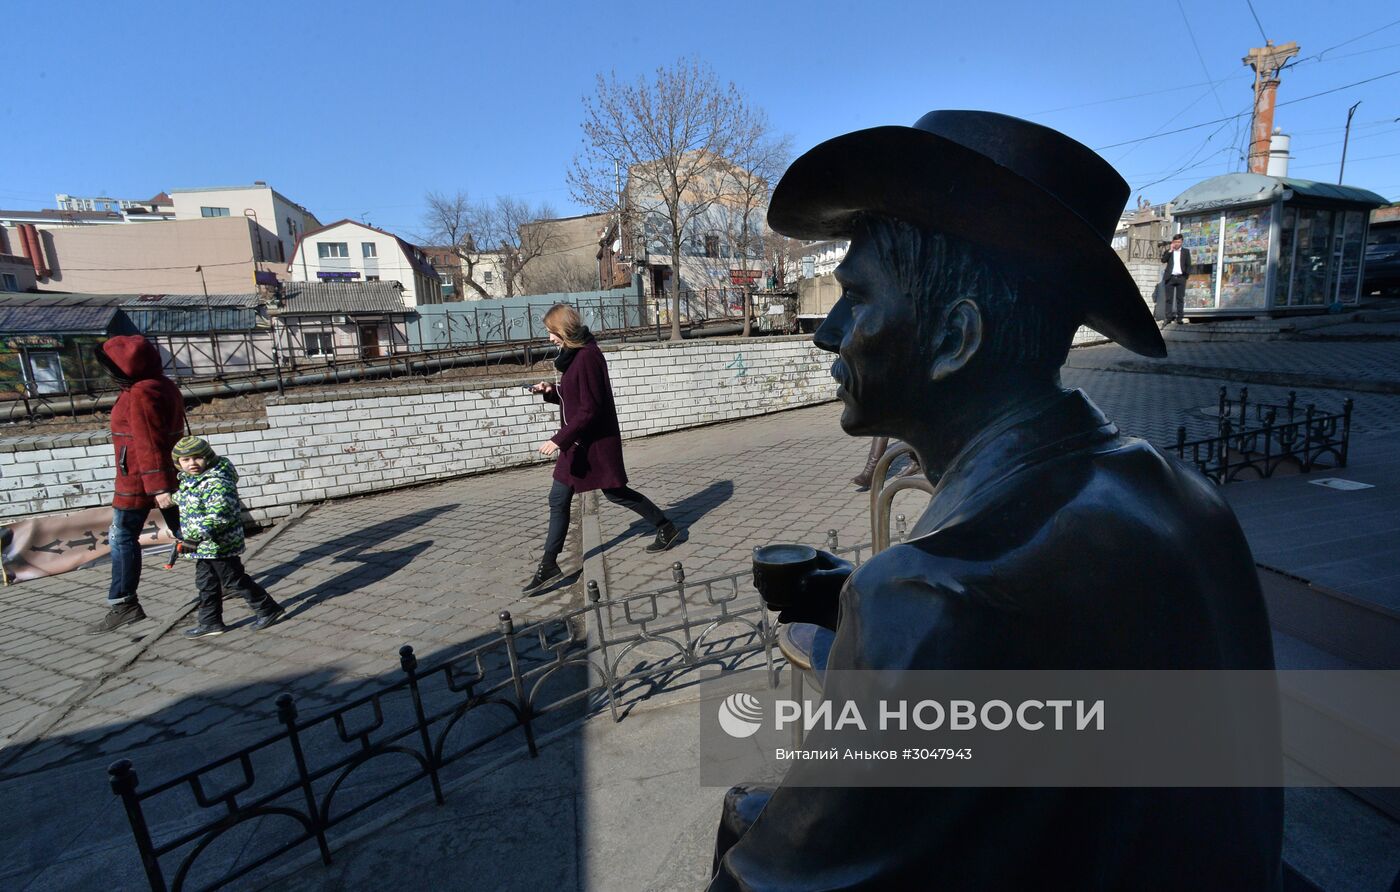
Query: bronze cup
[[778, 571]]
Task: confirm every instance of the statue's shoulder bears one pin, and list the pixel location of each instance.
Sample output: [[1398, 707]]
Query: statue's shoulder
[[906, 569]]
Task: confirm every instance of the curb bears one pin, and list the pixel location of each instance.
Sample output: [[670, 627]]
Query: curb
[[35, 729]]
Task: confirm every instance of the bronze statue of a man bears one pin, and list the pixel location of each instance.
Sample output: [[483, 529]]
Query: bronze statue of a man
[[979, 244]]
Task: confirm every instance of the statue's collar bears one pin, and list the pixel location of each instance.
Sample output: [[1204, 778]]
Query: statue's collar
[[1025, 437]]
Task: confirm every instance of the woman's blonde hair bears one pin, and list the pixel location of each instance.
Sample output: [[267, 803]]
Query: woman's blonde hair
[[564, 322]]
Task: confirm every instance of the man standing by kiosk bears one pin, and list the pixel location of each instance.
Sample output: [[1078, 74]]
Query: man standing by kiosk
[[1176, 269]]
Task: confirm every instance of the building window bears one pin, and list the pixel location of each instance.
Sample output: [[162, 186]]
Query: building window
[[368, 249], [46, 374], [711, 246], [332, 249], [371, 278], [213, 212], [8, 283], [319, 343], [486, 277]]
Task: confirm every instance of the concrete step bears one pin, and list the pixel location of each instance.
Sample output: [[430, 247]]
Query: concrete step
[[1294, 652], [1363, 633], [1317, 628]]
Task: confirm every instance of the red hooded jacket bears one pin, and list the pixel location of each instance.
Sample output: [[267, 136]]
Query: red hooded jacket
[[147, 420]]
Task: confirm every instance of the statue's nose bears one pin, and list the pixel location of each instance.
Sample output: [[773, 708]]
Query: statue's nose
[[831, 331]]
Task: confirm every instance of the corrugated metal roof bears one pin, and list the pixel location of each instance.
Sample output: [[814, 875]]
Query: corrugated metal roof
[[54, 298], [62, 320], [156, 313], [320, 298], [57, 299], [191, 300], [1233, 189], [191, 320]]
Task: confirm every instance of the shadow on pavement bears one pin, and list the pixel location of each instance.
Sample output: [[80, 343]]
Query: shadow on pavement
[[684, 514], [356, 541], [61, 826], [369, 568]]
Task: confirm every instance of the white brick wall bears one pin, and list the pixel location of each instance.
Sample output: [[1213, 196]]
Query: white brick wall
[[315, 447]]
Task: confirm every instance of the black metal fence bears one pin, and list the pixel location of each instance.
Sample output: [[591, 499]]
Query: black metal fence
[[1253, 440], [292, 353], [548, 675], [551, 673]]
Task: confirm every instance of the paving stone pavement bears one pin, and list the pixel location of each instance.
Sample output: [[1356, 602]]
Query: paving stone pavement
[[46, 654], [434, 565], [431, 566], [1365, 361]]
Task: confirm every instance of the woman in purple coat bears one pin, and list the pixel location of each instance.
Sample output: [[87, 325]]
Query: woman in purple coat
[[589, 444]]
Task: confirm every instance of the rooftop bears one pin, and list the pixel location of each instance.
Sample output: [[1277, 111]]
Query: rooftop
[[21, 318], [1233, 189], [60, 215], [320, 298], [59, 299]]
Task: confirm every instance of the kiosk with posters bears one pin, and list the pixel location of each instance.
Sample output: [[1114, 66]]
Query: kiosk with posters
[[1263, 245]]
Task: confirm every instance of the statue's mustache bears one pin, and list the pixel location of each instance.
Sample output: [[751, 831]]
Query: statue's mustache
[[841, 373]]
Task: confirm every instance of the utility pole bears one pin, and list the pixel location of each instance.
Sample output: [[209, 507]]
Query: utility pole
[[1267, 61], [1345, 138]]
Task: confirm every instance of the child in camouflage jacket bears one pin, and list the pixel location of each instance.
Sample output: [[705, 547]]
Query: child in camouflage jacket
[[211, 532]]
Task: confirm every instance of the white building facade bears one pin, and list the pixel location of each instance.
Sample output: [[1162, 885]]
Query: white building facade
[[349, 251]]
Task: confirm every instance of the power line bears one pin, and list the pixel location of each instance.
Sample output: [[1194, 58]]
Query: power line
[[1377, 49], [1257, 22], [1318, 56], [1351, 160], [1337, 142], [1128, 142], [1181, 111], [1176, 89], [1197, 47], [146, 269]]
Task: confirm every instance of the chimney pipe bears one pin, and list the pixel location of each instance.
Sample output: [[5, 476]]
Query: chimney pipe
[[1278, 153], [34, 249]]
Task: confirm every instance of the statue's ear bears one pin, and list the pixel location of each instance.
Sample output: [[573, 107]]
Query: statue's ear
[[962, 336]]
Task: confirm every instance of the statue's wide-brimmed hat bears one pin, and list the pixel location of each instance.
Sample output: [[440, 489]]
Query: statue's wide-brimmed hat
[[1022, 189]]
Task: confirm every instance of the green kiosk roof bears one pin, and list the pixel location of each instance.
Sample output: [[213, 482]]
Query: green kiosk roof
[[1233, 189]]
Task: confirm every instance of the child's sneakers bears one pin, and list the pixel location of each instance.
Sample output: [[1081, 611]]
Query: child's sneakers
[[203, 631], [268, 619]]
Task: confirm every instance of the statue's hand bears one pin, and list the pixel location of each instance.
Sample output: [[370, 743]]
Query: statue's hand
[[819, 592]]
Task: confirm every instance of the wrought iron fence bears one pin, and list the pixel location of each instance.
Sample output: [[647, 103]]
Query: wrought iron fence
[[1254, 447], [560, 669], [605, 654]]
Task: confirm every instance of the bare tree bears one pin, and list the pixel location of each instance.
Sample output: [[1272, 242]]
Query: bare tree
[[520, 244], [757, 162], [781, 252], [673, 136], [495, 229], [461, 225]]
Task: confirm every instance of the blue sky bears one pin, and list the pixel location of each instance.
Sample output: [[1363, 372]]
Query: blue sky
[[358, 108]]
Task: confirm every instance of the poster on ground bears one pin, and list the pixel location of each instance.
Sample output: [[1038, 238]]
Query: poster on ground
[[56, 543]]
